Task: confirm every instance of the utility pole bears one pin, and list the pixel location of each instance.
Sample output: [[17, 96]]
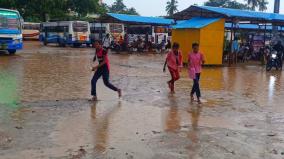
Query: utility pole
[[276, 6], [276, 10]]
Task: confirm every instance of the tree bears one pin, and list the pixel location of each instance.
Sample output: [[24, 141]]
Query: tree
[[262, 5], [216, 3], [119, 7], [253, 3], [83, 7], [42, 10], [171, 7], [226, 4]]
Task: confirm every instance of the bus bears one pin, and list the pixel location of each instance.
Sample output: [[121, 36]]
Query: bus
[[161, 34], [99, 30], [154, 34], [31, 31], [64, 33], [11, 38]]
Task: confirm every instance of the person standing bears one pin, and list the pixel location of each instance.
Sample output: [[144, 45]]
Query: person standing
[[174, 63], [102, 69], [195, 62], [280, 49], [106, 42]]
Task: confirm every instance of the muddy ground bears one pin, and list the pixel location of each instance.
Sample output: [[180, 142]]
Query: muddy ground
[[45, 112]]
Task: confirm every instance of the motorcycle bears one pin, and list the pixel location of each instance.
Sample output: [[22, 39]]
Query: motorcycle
[[115, 46], [273, 61]]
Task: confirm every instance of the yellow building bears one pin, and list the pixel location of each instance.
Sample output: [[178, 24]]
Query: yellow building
[[208, 32]]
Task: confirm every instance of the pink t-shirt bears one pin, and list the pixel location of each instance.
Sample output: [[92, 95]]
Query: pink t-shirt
[[174, 61], [195, 60]]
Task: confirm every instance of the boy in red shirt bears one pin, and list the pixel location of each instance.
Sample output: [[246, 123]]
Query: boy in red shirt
[[102, 69], [174, 63]]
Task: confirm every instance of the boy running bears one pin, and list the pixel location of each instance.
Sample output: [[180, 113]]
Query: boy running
[[174, 63], [195, 62], [102, 69]]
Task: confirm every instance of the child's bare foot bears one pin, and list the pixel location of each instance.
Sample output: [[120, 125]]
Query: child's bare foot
[[191, 98], [94, 99], [199, 101], [169, 84], [119, 93]]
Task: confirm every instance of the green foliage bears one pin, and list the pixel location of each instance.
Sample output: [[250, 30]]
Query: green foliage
[[42, 10], [260, 4], [171, 7], [226, 4], [119, 7]]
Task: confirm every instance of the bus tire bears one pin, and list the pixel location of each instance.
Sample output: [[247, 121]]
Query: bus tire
[[76, 45], [12, 52]]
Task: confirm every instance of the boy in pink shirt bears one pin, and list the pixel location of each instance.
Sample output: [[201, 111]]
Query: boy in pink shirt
[[195, 62], [174, 63]]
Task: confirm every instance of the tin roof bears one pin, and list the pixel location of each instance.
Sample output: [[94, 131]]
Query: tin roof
[[141, 19], [194, 23]]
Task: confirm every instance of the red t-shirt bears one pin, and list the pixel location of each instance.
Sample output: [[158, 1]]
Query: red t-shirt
[[102, 56], [174, 61]]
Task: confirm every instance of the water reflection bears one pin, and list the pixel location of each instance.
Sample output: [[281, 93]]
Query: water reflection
[[100, 123], [173, 118], [193, 133], [271, 87]]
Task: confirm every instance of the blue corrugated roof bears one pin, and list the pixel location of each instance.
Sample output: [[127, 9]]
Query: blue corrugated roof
[[194, 23], [244, 13], [141, 19], [252, 26]]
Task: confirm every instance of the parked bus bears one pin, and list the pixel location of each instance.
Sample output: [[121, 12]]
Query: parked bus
[[11, 38], [99, 30], [31, 31], [155, 34], [65, 33], [160, 34]]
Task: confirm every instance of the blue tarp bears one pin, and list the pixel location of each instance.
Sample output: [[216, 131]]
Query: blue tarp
[[141, 19], [244, 13], [194, 23]]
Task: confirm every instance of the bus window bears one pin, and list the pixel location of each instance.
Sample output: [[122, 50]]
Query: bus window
[[80, 27], [115, 28], [160, 30], [98, 30], [9, 23]]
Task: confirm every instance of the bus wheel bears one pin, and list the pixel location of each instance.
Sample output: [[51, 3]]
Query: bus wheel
[[76, 45], [45, 43], [12, 52]]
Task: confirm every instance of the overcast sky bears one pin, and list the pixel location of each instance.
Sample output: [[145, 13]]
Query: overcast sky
[[157, 7]]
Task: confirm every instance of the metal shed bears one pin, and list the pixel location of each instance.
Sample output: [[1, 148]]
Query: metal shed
[[208, 32]]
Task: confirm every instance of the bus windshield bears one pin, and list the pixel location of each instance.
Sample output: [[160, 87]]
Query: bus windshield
[[9, 20], [80, 27], [116, 28]]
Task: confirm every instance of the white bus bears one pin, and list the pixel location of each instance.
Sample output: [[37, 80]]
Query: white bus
[[65, 33], [31, 31], [99, 30]]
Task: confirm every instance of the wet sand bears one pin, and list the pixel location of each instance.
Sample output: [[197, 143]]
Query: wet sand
[[45, 112]]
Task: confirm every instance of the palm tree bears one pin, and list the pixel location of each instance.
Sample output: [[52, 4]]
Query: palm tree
[[262, 5], [253, 3], [171, 7]]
